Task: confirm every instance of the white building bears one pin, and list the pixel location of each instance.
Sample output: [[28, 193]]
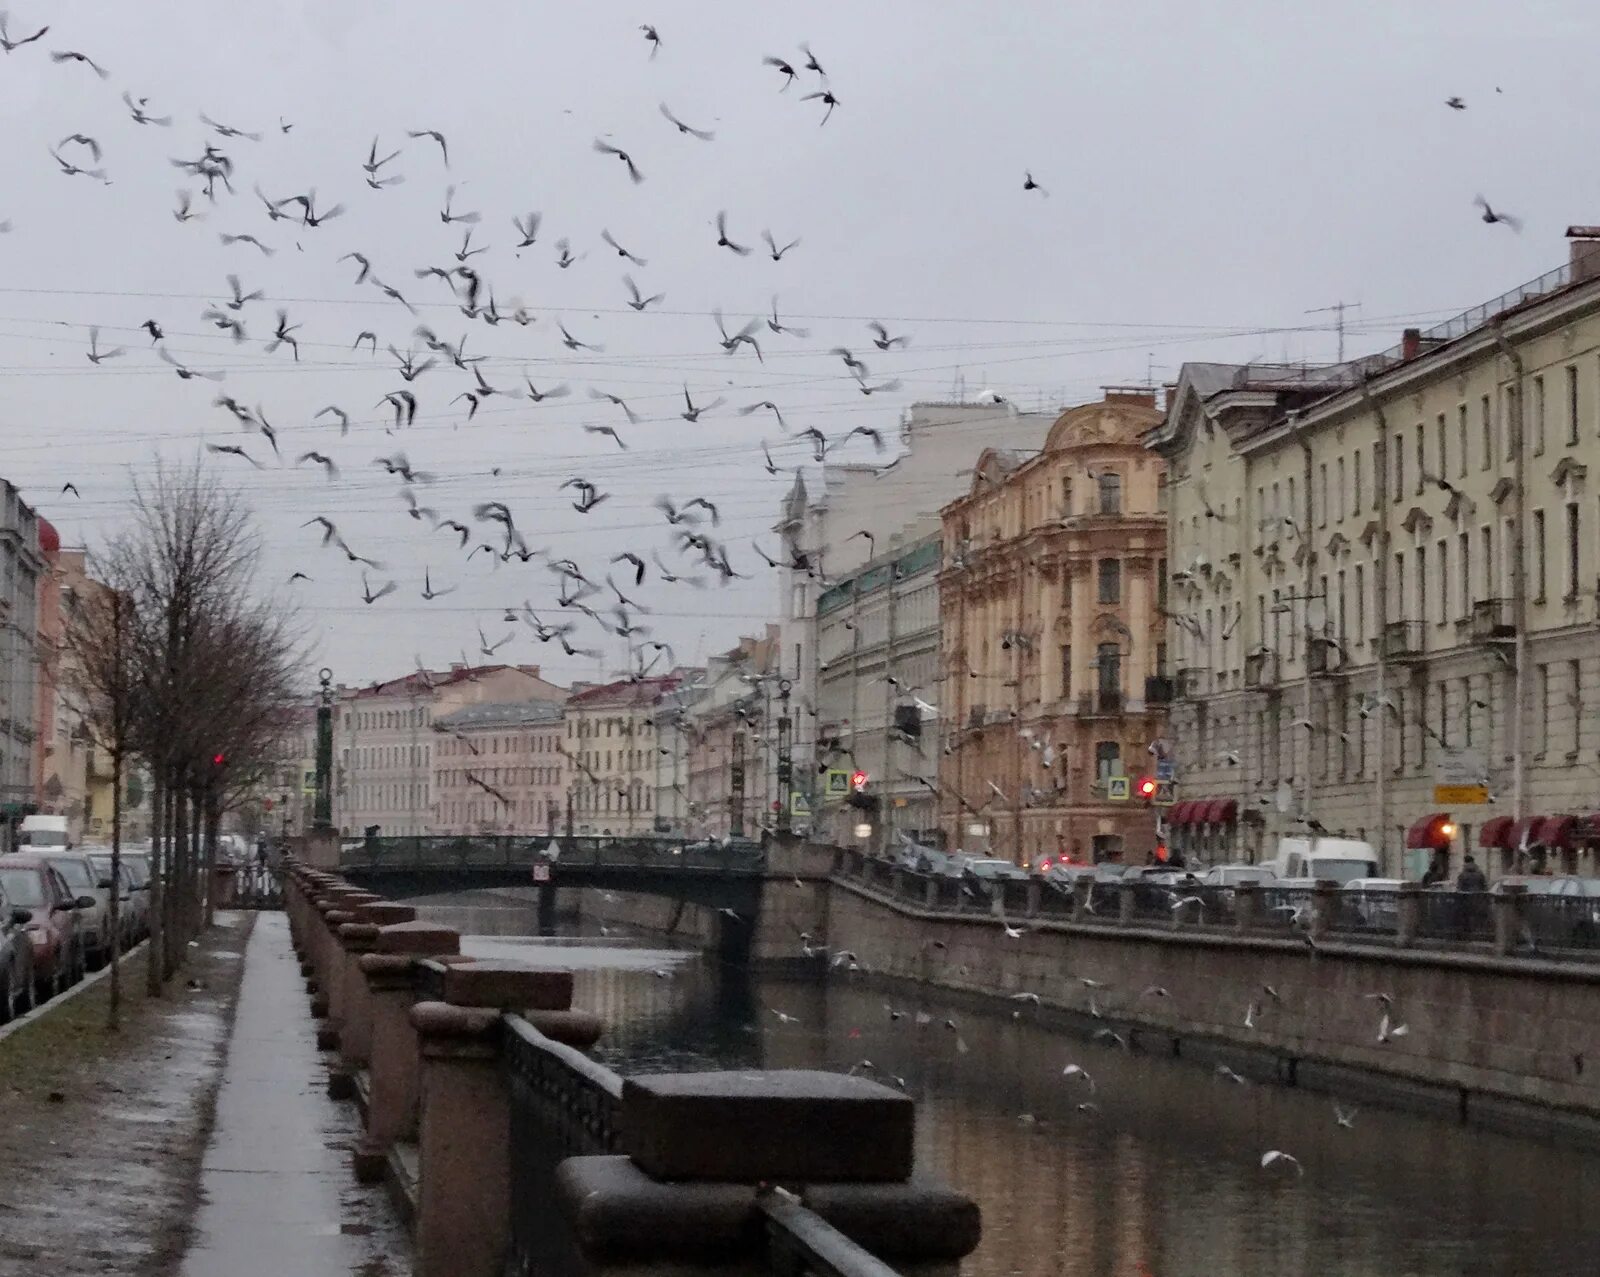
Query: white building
[[21, 564], [878, 624], [827, 508]]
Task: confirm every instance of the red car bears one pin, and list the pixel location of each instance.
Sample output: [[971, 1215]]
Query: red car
[[31, 883]]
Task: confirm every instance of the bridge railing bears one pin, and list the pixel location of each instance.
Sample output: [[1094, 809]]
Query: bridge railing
[[425, 852], [1509, 922]]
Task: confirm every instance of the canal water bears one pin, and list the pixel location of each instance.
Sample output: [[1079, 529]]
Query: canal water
[[1154, 1170]]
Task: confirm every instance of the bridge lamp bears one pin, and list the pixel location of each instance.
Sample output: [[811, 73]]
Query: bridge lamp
[[863, 831]]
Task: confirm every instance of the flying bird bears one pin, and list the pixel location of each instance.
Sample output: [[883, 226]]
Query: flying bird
[[784, 69], [653, 38], [1455, 104], [447, 215], [370, 596], [67, 487], [184, 213], [10, 45], [1274, 1157], [827, 97], [636, 300], [572, 343], [705, 135], [326, 462], [776, 254], [247, 239], [185, 374], [605, 148], [722, 237], [233, 450], [438, 137], [339, 413], [691, 413], [1028, 184], [360, 260], [811, 63], [72, 55], [528, 228], [1490, 216], [607, 430], [96, 354], [621, 251], [227, 130], [72, 170]]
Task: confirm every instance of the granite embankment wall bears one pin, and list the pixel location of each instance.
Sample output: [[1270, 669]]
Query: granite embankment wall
[[1506, 1041]]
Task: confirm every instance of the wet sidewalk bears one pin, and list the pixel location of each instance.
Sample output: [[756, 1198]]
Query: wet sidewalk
[[277, 1193]]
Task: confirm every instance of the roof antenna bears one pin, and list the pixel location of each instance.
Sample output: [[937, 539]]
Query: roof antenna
[[959, 386], [1337, 310]]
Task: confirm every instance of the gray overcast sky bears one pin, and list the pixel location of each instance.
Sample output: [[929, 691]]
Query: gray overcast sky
[[1214, 170]]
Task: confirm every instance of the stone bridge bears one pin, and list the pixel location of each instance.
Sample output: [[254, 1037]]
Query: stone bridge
[[510, 1151], [755, 898]]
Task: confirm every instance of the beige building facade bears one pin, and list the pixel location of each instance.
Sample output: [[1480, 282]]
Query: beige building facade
[[610, 740], [1053, 643], [1386, 578], [384, 740], [499, 768]]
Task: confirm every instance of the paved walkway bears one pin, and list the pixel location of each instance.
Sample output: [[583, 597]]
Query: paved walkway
[[277, 1191]]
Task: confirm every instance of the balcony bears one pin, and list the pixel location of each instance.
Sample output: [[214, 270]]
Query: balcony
[[1260, 669], [1100, 704], [1492, 620], [1191, 682], [1158, 690], [1403, 641], [1323, 655]]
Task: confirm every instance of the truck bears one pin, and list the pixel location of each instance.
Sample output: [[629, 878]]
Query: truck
[[1304, 861], [43, 831]]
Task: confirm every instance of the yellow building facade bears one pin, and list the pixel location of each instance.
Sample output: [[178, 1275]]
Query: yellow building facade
[[1052, 641]]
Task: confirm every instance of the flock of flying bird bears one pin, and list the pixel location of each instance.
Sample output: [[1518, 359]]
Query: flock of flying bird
[[586, 597]]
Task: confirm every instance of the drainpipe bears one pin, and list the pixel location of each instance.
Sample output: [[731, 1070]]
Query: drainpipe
[[1380, 607], [1519, 572]]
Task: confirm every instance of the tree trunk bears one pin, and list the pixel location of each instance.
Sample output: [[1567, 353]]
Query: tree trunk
[[114, 1007], [160, 796], [179, 845], [209, 871]]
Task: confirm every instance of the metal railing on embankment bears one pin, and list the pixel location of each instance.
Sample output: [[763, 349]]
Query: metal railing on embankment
[[452, 852], [1510, 922]]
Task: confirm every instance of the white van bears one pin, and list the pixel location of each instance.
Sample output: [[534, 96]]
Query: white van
[[43, 831], [1300, 862]]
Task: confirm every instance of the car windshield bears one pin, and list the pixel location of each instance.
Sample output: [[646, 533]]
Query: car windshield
[[1342, 871], [75, 871], [44, 838], [22, 887]]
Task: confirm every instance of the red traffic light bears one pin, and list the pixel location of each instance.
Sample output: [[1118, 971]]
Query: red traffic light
[[219, 760], [1147, 787], [858, 781]]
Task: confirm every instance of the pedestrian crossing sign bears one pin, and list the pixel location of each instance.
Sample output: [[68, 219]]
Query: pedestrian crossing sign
[[1117, 789], [836, 784]]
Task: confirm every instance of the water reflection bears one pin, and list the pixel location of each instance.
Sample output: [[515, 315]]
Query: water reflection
[[1160, 1176]]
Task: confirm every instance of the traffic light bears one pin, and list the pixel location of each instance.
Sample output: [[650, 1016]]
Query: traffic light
[[858, 781], [219, 759], [1146, 788]]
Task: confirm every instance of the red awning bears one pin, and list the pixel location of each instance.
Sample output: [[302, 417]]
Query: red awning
[[1525, 833], [1496, 832], [1221, 811], [1179, 813], [1558, 832], [1419, 835], [1587, 829]]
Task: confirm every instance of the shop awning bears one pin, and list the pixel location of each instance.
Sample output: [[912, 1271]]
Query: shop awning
[[1587, 828], [1421, 835], [1559, 832], [1525, 833], [1221, 811], [1496, 832], [1178, 813]]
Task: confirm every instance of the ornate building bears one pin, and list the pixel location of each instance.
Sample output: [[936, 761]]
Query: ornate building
[[1053, 643], [500, 768]]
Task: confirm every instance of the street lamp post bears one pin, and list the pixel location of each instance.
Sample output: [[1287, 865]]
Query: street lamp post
[[322, 817]]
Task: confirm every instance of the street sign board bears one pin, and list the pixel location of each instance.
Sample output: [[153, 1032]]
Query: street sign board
[[1117, 789], [1166, 793], [836, 783], [541, 871], [798, 806], [1460, 777], [1166, 769]]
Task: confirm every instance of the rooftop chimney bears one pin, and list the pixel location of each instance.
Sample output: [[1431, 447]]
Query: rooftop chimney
[[1410, 343], [1584, 252], [1138, 396]]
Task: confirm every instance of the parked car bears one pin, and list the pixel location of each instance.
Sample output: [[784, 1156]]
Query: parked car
[[989, 868], [94, 922], [16, 959], [32, 883], [130, 900], [1234, 875], [1373, 903]]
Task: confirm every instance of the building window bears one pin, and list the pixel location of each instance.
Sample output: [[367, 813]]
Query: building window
[[1108, 666], [1575, 700], [1464, 576], [1110, 581], [1400, 582], [1399, 467], [1572, 551], [1066, 670], [1322, 478], [1538, 556], [1444, 448], [1536, 426], [1422, 457], [1361, 603], [1511, 415], [1161, 493], [1444, 582], [1422, 583], [1486, 541], [1338, 467], [1107, 760], [1572, 404], [1461, 440], [1543, 676], [1341, 616], [1486, 429], [1109, 485]]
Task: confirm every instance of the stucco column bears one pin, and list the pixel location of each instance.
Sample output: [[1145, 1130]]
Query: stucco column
[[1139, 622], [1082, 609]]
